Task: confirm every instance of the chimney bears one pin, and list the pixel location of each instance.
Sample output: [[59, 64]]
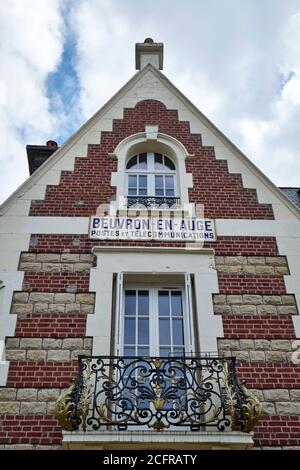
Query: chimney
[[149, 52], [38, 154]]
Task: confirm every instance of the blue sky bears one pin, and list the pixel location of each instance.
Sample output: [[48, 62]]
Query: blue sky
[[238, 61]]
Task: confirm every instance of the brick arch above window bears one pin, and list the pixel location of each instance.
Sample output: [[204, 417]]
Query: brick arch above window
[[151, 140]]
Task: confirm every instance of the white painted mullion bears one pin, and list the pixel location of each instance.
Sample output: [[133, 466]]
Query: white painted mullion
[[189, 339], [119, 325]]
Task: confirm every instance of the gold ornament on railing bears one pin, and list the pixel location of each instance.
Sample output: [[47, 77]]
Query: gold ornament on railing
[[251, 409], [64, 408]]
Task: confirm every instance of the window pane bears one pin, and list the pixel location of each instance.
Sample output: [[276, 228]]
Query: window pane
[[158, 161], [132, 163], [129, 337], [143, 302], [143, 185], [165, 352], [132, 182], [169, 164], [142, 351], [129, 351], [159, 182], [177, 331], [143, 161], [143, 331], [164, 332], [169, 182], [176, 303], [130, 298], [163, 303], [178, 351]]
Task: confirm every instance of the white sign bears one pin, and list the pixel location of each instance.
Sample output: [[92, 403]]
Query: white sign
[[153, 228]]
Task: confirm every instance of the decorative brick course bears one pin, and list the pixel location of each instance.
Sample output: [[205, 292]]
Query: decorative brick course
[[214, 186], [277, 431], [56, 326], [55, 281], [269, 376], [31, 374], [247, 327], [258, 284], [21, 429]]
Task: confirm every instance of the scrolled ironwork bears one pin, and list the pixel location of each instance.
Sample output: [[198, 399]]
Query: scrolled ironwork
[[158, 393], [153, 202]]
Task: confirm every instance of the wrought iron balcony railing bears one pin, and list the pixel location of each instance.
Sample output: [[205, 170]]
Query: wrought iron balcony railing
[[153, 201], [122, 393]]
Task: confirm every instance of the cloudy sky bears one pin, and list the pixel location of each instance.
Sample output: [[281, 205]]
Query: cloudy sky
[[237, 60]]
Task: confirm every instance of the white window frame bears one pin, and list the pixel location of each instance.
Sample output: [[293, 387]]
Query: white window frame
[[151, 172], [188, 323]]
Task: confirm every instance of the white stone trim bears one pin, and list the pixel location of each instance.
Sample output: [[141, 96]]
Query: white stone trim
[[177, 440], [153, 261], [158, 142]]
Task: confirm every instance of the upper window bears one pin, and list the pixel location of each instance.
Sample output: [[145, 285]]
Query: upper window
[[151, 177]]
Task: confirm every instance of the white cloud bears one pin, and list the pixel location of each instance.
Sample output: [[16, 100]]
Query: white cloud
[[31, 47], [239, 62]]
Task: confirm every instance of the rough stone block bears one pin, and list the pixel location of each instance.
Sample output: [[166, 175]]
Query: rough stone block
[[22, 309], [8, 394], [36, 355], [15, 355], [281, 345], [41, 307], [85, 298], [48, 257], [41, 297], [64, 298], [288, 408], [27, 394], [72, 308], [275, 356], [246, 344], [266, 310], [51, 267], [69, 258], [219, 299], [58, 355], [33, 408], [21, 297], [12, 343], [81, 267], [252, 299], [234, 299], [276, 395], [52, 343], [222, 309], [31, 343], [72, 343], [9, 408], [48, 394], [262, 344], [56, 309], [257, 356]]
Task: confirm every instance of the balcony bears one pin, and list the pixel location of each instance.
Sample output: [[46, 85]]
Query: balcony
[[159, 395], [154, 202]]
